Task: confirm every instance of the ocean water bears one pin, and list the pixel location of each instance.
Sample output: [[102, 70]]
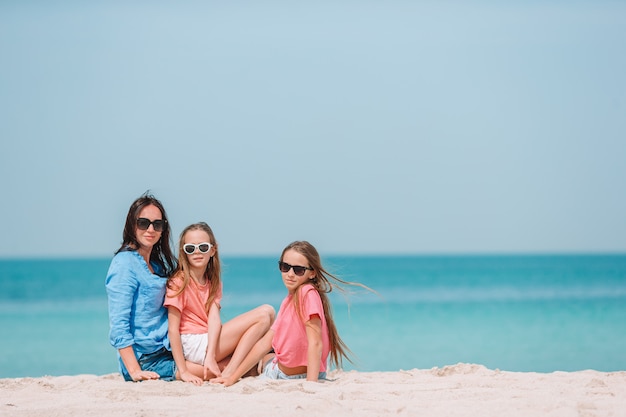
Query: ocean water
[[516, 313]]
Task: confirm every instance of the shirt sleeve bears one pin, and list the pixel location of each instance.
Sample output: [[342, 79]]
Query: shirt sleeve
[[311, 303], [218, 297], [172, 300], [121, 286]]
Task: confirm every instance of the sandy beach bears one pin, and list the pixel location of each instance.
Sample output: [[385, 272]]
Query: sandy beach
[[456, 390]]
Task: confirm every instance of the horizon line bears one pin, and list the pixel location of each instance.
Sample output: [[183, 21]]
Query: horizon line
[[350, 254]]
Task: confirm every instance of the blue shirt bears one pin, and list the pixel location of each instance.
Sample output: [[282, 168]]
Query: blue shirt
[[137, 316]]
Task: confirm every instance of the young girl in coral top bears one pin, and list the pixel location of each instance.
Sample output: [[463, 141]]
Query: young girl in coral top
[[304, 335], [202, 347]]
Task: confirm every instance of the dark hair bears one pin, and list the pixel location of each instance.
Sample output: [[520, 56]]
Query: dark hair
[[161, 253], [213, 269]]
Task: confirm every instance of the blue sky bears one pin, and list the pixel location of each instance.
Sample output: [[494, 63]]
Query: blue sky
[[363, 127]]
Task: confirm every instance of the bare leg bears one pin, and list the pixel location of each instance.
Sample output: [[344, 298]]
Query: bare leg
[[268, 357], [256, 354], [240, 334], [198, 370]]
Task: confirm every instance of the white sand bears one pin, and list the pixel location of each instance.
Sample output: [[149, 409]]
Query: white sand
[[459, 390]]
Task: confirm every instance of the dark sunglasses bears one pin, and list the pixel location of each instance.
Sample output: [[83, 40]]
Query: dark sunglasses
[[298, 270], [203, 247], [144, 224]]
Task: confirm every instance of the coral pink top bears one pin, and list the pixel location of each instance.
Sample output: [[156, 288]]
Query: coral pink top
[[193, 317], [290, 342]]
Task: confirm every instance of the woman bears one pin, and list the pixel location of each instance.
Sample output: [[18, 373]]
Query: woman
[[135, 285]]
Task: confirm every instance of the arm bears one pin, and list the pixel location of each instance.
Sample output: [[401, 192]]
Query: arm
[[313, 329], [121, 286], [258, 352], [173, 318], [213, 334], [132, 366]]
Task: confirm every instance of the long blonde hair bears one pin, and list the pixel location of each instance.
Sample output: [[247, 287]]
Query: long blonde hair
[[213, 270], [324, 282]]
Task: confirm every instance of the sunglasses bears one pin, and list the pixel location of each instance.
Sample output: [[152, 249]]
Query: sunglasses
[[298, 270], [203, 247], [144, 224]]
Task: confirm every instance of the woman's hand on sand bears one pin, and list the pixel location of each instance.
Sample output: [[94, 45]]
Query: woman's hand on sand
[[189, 377], [144, 375]]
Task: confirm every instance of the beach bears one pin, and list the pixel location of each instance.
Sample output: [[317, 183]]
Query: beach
[[490, 336], [455, 390]]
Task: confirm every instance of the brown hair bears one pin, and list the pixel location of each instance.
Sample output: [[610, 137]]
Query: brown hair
[[213, 269]]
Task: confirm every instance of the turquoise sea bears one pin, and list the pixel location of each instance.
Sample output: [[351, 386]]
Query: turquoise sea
[[518, 313]]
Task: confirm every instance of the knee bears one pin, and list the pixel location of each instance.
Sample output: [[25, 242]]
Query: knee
[[268, 313]]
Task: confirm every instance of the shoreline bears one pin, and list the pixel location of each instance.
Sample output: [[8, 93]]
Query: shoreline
[[454, 390]]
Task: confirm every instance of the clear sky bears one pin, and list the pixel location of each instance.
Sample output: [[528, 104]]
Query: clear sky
[[364, 127]]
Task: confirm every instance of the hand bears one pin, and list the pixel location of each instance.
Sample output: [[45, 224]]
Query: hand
[[211, 368], [227, 382], [187, 376], [144, 375]]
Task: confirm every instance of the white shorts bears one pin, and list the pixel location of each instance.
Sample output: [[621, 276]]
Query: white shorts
[[194, 347]]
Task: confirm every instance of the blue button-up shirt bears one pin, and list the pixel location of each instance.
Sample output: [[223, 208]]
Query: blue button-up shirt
[[137, 317]]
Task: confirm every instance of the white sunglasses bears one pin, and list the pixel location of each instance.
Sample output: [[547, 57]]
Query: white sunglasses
[[203, 247]]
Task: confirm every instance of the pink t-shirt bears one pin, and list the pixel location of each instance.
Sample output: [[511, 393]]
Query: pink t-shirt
[[190, 303], [290, 342]]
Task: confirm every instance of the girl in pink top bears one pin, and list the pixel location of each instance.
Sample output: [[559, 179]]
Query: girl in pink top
[[202, 347], [304, 335]]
